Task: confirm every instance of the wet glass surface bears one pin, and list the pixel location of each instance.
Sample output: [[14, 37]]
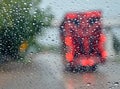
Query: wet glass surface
[[62, 44]]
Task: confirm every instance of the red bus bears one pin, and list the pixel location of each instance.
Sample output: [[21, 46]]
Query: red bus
[[83, 40]]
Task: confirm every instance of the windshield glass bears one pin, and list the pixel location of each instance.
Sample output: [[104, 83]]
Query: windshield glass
[[59, 44]]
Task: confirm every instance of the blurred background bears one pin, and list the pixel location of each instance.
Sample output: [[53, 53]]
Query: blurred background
[[33, 26], [111, 17], [30, 45]]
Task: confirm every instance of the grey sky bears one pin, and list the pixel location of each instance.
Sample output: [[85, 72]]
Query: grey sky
[[110, 8]]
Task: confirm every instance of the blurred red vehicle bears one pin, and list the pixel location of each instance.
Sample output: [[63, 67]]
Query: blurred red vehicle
[[83, 40]]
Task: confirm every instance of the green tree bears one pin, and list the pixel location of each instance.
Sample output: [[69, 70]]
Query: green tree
[[116, 44], [20, 22]]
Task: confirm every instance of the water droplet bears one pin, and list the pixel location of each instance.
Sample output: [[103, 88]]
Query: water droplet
[[25, 3], [88, 84], [116, 83], [110, 87], [30, 4]]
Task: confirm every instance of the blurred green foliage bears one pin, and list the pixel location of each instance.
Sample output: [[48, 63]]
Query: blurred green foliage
[[116, 44], [20, 22]]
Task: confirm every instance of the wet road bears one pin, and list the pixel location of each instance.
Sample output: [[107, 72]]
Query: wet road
[[47, 72]]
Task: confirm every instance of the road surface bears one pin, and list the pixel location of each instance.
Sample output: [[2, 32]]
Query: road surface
[[47, 72]]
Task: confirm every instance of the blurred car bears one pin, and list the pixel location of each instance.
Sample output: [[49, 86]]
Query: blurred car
[[83, 40]]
